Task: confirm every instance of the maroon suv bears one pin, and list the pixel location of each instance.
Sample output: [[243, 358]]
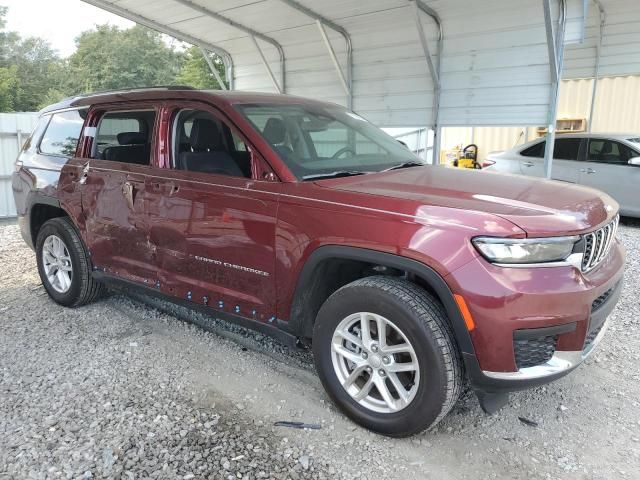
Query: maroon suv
[[302, 220]]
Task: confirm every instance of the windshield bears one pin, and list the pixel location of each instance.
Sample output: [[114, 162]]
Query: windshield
[[321, 142]]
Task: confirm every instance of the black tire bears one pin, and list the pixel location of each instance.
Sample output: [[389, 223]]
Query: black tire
[[422, 319], [84, 289]]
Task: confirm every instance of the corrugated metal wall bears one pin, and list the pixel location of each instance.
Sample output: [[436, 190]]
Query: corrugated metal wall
[[616, 111], [14, 130]]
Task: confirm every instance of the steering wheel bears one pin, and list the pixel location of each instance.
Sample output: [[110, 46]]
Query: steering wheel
[[342, 151]]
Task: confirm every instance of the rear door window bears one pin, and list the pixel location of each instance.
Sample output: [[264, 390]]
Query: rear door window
[[125, 137], [62, 133], [536, 150], [566, 148]]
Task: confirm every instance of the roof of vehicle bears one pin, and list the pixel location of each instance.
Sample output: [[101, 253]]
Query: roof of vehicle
[[614, 136], [176, 93]]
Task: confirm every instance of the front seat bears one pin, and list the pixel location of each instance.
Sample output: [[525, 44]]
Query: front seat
[[209, 154], [275, 132]]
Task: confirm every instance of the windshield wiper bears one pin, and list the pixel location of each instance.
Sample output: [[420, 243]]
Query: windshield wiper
[[404, 165], [338, 174]]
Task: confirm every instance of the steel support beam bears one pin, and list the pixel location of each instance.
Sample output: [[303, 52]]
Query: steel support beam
[[139, 19], [266, 64], [213, 69], [249, 31], [555, 44], [596, 74], [434, 70], [348, 76], [334, 58]]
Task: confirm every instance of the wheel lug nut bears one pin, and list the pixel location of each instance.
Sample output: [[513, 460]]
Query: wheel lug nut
[[374, 348], [369, 370], [382, 373], [364, 355], [386, 360]]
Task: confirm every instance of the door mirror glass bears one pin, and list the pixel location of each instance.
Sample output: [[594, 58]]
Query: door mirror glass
[[634, 161]]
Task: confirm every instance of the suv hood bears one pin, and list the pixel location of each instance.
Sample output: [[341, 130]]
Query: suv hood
[[539, 207]]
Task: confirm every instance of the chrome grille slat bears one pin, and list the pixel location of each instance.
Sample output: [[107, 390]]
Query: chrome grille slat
[[598, 244]]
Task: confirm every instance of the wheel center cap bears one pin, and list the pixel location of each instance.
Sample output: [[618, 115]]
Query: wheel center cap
[[375, 361]]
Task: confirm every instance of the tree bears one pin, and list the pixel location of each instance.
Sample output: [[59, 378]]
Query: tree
[[27, 69], [196, 73], [110, 58]]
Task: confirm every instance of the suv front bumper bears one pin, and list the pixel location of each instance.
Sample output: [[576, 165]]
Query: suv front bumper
[[535, 304]]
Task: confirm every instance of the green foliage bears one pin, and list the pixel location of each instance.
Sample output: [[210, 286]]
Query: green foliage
[[32, 75], [109, 58], [195, 71]]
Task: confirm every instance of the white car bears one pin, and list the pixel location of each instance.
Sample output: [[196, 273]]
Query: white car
[[608, 162]]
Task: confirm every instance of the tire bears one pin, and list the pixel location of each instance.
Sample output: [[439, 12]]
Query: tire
[[78, 287], [408, 313]]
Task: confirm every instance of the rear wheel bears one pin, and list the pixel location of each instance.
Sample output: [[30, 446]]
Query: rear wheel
[[63, 264], [386, 355]]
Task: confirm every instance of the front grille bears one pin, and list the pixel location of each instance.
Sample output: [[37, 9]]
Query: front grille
[[598, 302], [597, 245], [534, 351]]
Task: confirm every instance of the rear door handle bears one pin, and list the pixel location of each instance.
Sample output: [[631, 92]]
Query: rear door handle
[[587, 170], [528, 164]]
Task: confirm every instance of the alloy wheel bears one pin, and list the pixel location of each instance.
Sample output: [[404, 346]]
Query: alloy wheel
[[375, 362]]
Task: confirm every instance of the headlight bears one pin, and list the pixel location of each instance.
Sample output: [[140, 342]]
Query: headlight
[[513, 251]]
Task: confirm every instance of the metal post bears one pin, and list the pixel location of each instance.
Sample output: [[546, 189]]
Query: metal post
[[434, 70], [123, 12], [251, 32], [266, 64], [337, 28], [556, 57], [596, 74], [332, 54], [213, 69]]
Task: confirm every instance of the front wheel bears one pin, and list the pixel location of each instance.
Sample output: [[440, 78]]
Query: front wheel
[[386, 356], [64, 265]]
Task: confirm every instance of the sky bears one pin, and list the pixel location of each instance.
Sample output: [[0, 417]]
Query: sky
[[57, 21]]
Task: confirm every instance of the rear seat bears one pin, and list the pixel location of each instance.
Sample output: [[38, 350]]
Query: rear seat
[[133, 148]]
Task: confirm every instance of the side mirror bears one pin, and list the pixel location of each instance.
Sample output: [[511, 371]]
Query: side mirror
[[634, 161]]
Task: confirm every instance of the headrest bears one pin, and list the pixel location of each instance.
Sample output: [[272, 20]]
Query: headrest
[[205, 134], [131, 138], [274, 131]]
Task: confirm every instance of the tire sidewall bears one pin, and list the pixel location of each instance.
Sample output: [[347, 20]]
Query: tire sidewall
[[54, 227], [431, 395]]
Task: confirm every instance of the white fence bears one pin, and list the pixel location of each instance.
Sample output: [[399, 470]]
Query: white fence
[[15, 128]]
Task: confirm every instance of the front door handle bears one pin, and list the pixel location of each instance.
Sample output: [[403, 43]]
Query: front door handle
[[587, 170], [528, 164]]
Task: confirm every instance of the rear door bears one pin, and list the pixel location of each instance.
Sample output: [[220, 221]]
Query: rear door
[[606, 168], [565, 160], [212, 215], [113, 190]]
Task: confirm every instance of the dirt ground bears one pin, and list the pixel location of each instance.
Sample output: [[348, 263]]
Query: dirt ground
[[126, 389]]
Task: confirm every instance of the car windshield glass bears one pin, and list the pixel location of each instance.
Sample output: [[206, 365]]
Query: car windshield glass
[[317, 141], [635, 141]]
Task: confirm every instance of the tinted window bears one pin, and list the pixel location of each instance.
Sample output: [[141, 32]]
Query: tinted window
[[125, 137], [205, 144], [63, 132], [536, 150], [608, 151], [566, 148]]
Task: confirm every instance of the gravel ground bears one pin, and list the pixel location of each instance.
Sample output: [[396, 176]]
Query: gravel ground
[[126, 389]]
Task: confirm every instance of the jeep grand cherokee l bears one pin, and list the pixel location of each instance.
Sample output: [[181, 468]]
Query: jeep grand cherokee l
[[302, 220]]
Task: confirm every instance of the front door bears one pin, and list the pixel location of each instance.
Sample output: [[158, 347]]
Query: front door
[[607, 169], [212, 216], [113, 189]]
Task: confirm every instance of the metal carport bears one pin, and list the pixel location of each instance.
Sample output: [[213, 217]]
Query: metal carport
[[407, 63]]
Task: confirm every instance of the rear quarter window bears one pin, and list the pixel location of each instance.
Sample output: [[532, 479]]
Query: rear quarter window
[[62, 133], [536, 150]]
